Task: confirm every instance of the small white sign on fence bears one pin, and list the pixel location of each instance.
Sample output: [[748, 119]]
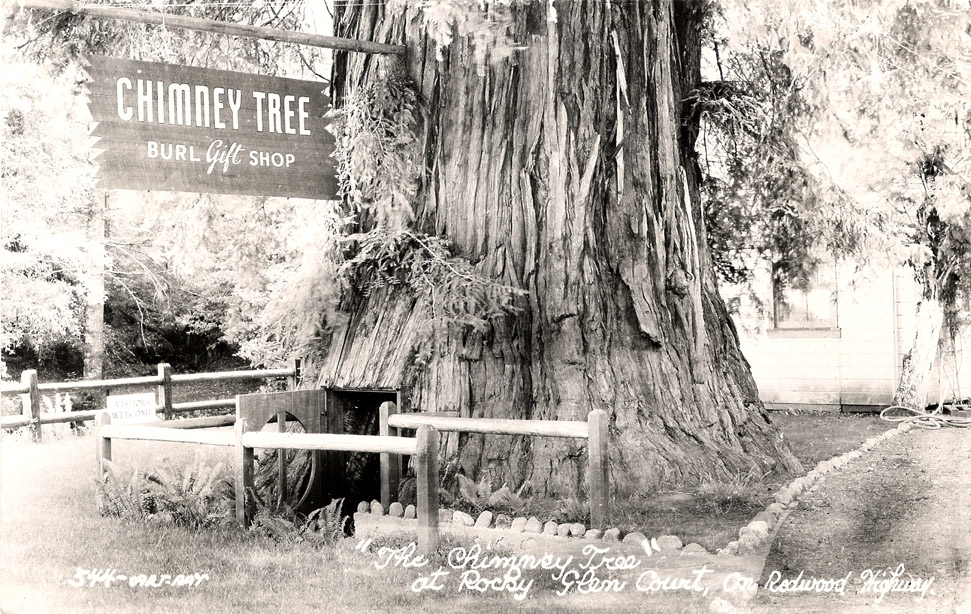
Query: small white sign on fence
[[132, 408]]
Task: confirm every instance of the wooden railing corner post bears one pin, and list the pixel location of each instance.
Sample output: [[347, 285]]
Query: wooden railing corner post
[[599, 477], [103, 444], [390, 463], [31, 404], [427, 469], [165, 389], [243, 470]]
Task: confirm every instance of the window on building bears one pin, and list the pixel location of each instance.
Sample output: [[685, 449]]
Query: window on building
[[810, 304]]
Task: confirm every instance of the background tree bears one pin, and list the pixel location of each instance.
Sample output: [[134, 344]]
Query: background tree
[[552, 150], [874, 146], [47, 187], [186, 277]]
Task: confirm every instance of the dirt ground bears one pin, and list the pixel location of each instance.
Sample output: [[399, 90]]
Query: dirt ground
[[906, 503]]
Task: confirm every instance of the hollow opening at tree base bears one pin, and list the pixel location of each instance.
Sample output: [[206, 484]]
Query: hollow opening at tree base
[[354, 476]]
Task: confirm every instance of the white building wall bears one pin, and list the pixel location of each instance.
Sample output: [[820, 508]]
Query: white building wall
[[854, 365]]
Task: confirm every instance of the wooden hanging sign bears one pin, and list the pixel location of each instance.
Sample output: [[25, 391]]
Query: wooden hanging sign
[[179, 128]]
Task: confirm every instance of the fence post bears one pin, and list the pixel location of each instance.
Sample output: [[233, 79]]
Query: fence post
[[390, 463], [165, 389], [294, 380], [103, 443], [31, 404], [599, 476], [427, 469], [243, 470]]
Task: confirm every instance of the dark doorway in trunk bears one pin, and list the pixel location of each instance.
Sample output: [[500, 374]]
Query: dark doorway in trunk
[[355, 476]]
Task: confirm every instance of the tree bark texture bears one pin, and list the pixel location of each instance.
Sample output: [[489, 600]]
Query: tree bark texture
[[918, 362], [566, 170]]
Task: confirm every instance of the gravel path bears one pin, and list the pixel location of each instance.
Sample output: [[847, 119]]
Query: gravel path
[[906, 503]]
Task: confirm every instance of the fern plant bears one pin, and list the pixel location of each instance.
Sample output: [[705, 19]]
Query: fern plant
[[454, 295], [378, 158], [481, 496], [324, 526], [326, 523], [199, 495], [124, 494], [202, 495]]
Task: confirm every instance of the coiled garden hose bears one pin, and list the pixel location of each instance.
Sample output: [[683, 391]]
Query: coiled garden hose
[[926, 420]]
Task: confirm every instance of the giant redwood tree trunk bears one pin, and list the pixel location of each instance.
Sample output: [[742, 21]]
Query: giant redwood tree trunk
[[566, 170]]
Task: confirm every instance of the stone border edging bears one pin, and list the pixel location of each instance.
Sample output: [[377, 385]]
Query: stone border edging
[[756, 533], [371, 517]]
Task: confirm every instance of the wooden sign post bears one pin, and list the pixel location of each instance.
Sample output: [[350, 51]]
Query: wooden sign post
[[169, 20]]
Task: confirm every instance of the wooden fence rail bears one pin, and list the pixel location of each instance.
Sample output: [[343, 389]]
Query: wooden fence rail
[[248, 436], [538, 428], [99, 384], [205, 422], [424, 447], [155, 433], [179, 408], [331, 442], [189, 378], [13, 422], [30, 392], [594, 430]]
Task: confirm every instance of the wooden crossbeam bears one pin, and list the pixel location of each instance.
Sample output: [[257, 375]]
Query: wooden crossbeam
[[154, 433], [209, 25], [329, 441], [542, 428]]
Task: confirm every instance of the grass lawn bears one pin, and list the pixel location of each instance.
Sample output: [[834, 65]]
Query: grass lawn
[[817, 437], [712, 514], [50, 528]]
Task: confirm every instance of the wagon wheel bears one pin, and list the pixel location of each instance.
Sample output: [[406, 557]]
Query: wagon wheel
[[300, 469]]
